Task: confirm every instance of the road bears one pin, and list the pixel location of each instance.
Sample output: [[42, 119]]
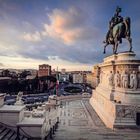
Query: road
[[78, 121]]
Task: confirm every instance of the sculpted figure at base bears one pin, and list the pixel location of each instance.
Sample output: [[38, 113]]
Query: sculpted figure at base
[[138, 80], [133, 80], [19, 96], [125, 80], [37, 114], [117, 79], [119, 28], [110, 78], [19, 99]]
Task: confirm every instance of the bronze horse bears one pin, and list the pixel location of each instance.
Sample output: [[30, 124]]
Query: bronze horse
[[119, 31]]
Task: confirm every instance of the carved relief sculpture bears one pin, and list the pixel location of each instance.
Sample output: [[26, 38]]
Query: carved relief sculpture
[[124, 79], [133, 80], [117, 79], [138, 79]]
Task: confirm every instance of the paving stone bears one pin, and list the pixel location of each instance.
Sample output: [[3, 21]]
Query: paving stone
[[79, 121]]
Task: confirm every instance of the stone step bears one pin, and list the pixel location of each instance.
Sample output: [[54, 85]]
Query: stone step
[[25, 139], [9, 134], [2, 129], [4, 133], [13, 137], [22, 137]]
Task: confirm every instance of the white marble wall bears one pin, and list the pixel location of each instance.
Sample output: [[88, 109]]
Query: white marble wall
[[118, 91], [1, 99], [11, 115]]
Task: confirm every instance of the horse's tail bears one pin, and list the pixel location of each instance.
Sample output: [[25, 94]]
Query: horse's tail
[[127, 23]]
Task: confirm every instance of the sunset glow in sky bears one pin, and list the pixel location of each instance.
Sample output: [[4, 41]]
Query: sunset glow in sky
[[63, 33]]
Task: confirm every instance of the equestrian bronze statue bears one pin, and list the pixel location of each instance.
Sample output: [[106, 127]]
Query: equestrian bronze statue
[[119, 28]]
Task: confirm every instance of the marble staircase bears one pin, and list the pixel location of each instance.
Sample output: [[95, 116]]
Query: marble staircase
[[7, 133]]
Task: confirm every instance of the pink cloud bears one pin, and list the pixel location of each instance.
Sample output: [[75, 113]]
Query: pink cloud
[[69, 26]]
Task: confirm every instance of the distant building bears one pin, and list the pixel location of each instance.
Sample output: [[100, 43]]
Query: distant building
[[96, 75], [90, 79], [78, 78], [44, 70], [54, 73], [33, 72], [63, 71], [63, 77], [5, 78], [1, 70], [30, 77]]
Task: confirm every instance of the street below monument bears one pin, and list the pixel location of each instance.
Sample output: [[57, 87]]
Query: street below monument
[[79, 121]]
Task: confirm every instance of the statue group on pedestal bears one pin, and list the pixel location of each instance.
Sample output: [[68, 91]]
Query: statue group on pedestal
[[125, 79], [133, 80], [117, 79], [19, 99], [119, 28]]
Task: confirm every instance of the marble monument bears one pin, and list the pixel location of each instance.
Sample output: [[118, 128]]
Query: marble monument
[[116, 99]]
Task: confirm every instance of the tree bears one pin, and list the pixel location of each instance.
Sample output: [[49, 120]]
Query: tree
[[6, 73], [24, 74]]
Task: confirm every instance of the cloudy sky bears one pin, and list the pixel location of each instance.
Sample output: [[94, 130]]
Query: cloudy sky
[[63, 33]]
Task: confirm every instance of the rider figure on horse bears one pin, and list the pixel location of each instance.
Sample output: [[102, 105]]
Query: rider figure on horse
[[114, 20], [119, 28]]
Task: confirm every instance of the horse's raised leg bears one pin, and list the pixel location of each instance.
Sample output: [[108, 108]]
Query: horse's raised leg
[[115, 47], [130, 44], [105, 48]]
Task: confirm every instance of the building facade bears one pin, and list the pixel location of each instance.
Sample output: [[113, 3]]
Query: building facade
[[44, 70], [96, 75], [90, 79], [78, 78]]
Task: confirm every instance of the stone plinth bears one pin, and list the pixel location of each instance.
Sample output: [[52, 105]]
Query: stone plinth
[[1, 99], [35, 127], [121, 57], [117, 96], [11, 115]]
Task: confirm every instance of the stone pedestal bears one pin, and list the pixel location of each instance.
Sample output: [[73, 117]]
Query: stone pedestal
[[35, 127], [117, 96], [19, 101], [11, 115], [37, 123]]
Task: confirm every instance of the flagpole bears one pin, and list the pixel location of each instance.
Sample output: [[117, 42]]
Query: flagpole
[[57, 81]]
